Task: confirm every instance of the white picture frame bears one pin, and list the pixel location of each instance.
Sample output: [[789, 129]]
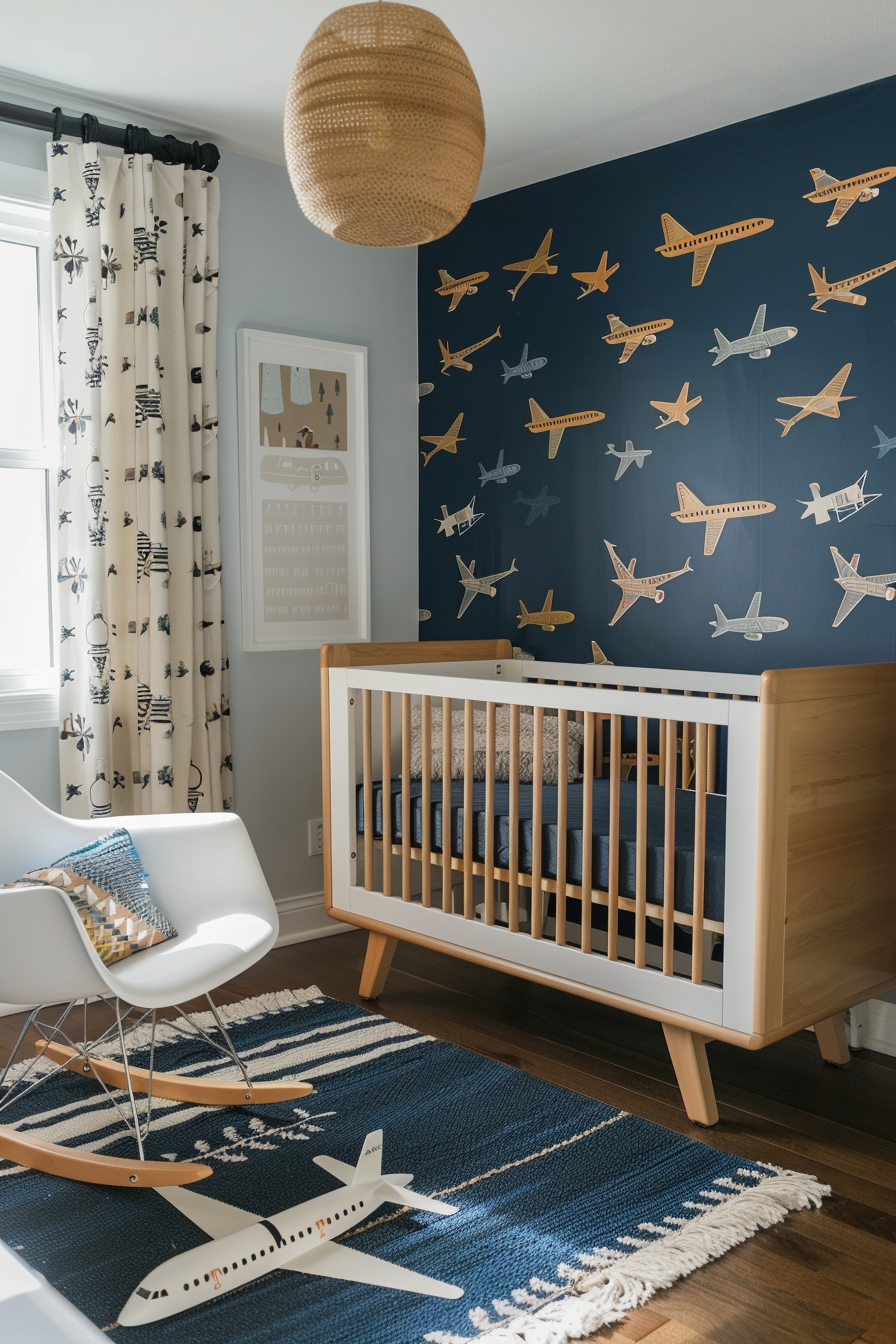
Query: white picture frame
[[304, 494]]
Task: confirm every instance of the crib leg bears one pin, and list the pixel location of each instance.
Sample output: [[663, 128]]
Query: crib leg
[[380, 951], [688, 1052], [832, 1042]]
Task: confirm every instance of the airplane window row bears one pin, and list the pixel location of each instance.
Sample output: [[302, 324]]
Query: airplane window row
[[144, 1292]]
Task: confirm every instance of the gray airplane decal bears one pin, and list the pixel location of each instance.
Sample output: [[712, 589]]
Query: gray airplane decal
[[526, 366], [855, 586], [538, 507], [473, 586], [757, 344], [752, 626], [626, 458], [883, 443], [499, 472]]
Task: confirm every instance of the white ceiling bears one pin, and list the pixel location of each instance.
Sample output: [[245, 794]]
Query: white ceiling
[[565, 83]]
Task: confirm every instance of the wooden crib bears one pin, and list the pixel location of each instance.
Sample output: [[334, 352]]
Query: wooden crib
[[739, 887]]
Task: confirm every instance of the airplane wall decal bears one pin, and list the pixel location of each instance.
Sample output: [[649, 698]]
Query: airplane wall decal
[[845, 194], [554, 425], [679, 241], [458, 360], [633, 588], [592, 280], [499, 472], [537, 265], [752, 626], [825, 402], [546, 619], [245, 1246], [715, 516], [526, 366], [757, 343], [855, 587], [676, 410], [463, 519], [599, 657], [467, 284], [473, 586], [424, 389], [643, 334], [538, 507], [824, 289], [883, 444], [626, 458], [444, 443], [844, 503]]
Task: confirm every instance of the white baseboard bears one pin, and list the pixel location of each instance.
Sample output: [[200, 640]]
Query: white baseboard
[[303, 918], [880, 1027]]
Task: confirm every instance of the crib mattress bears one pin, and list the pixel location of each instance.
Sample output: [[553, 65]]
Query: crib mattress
[[714, 878]]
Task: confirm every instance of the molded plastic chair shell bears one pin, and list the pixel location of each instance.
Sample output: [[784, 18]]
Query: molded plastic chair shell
[[203, 874]]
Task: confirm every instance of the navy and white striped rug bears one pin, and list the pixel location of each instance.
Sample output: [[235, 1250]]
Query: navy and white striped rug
[[571, 1213]]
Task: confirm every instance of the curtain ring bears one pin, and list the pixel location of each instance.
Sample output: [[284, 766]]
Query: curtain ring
[[197, 155], [90, 128], [57, 123], [129, 138]]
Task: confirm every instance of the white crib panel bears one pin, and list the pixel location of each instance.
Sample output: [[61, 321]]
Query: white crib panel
[[722, 683], [344, 720], [741, 837]]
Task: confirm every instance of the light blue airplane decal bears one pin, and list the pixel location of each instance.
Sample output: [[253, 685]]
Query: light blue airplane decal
[[499, 473], [752, 626], [631, 454], [883, 443], [538, 507], [526, 366], [757, 344]]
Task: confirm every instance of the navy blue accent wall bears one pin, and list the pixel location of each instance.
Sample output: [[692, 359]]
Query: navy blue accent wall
[[732, 448]]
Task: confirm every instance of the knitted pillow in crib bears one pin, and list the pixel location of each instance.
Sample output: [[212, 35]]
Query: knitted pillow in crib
[[106, 884], [575, 737]]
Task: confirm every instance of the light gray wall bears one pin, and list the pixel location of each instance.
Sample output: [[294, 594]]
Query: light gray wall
[[279, 273]]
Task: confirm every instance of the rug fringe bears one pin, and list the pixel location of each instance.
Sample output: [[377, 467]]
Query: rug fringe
[[597, 1299]]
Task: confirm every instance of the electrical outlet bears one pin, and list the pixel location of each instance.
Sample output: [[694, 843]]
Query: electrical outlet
[[316, 836]]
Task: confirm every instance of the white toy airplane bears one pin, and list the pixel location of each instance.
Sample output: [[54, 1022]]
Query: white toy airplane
[[245, 1247]]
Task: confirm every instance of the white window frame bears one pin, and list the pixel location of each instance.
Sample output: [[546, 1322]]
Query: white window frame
[[29, 697]]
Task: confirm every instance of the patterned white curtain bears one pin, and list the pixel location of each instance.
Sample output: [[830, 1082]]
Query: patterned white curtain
[[145, 715]]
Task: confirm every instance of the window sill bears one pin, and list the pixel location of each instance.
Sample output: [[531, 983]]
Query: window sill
[[36, 707]]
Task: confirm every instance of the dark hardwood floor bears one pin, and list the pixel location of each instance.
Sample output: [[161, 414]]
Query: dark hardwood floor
[[826, 1277]]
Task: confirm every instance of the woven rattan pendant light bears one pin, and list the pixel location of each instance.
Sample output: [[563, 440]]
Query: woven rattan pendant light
[[384, 129]]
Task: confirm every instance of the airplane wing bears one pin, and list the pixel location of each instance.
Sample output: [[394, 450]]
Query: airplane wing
[[455, 299], [621, 571], [629, 350], [795, 401], [466, 572], [212, 1216], [519, 265], [752, 613], [702, 258], [840, 209], [664, 407], [758, 321], [881, 436], [335, 1261], [713, 532], [687, 500], [850, 600], [544, 247], [548, 600], [835, 387], [628, 599], [615, 323], [445, 278], [844, 569], [469, 594], [554, 437], [881, 578], [673, 232], [624, 464]]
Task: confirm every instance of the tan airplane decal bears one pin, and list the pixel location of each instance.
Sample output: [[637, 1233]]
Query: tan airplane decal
[[845, 194], [633, 588], [467, 284], [599, 657], [824, 289], [554, 425], [855, 586], [458, 359], [715, 516], [676, 410], [679, 241], [473, 587], [547, 619], [592, 280], [537, 265], [643, 334], [825, 402], [444, 443]]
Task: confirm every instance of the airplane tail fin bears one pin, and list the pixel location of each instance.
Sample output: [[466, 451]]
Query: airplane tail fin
[[483, 474], [535, 410], [818, 281], [720, 623], [507, 372], [370, 1163], [444, 349], [722, 348], [673, 231]]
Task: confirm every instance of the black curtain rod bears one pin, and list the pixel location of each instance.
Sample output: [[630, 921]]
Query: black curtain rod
[[132, 139]]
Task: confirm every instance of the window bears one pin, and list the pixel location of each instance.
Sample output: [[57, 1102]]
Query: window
[[28, 457]]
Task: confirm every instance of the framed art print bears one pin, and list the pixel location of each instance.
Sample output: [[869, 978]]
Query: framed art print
[[304, 491]]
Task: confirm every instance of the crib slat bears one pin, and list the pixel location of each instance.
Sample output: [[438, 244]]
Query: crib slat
[[587, 827], [387, 793], [641, 847], [405, 797], [426, 800], [536, 912], [711, 751], [367, 734], [662, 768], [490, 812], [513, 886], [562, 811], [667, 735], [446, 805], [469, 749], [685, 753], [699, 853], [613, 882]]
